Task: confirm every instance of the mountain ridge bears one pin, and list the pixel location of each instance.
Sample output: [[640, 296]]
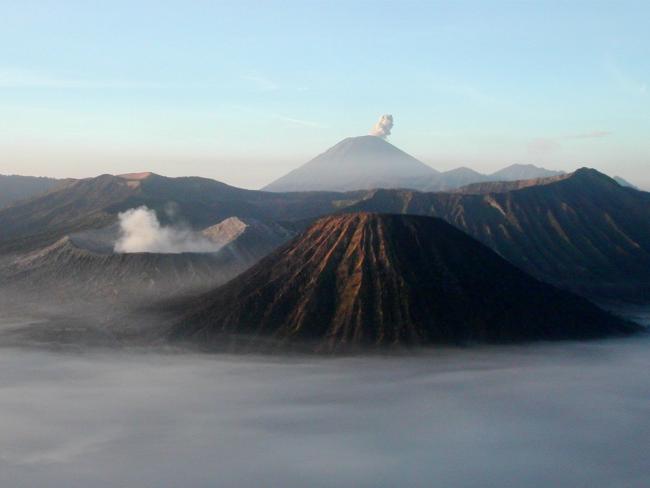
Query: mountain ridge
[[84, 266], [583, 232], [94, 203], [17, 188], [520, 171], [370, 162]]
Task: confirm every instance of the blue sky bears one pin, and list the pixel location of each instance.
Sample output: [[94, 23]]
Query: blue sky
[[245, 91]]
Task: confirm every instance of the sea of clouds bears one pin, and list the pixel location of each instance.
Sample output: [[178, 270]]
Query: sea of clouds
[[536, 416]]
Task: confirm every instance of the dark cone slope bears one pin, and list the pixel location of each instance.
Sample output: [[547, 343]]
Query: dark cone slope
[[367, 279]]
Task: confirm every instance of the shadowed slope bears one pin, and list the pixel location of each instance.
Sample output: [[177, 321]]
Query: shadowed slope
[[247, 240], [84, 266], [583, 232], [483, 188], [94, 203], [367, 279], [14, 188], [67, 272], [79, 205]]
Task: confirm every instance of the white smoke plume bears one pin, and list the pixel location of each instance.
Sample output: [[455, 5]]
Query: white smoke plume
[[383, 126], [140, 231]]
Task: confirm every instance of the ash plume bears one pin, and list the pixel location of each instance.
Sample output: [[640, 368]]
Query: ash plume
[[383, 126], [140, 231]]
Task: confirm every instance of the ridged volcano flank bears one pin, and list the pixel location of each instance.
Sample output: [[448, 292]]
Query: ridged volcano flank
[[387, 279]]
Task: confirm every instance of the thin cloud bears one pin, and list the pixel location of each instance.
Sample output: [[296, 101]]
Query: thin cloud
[[596, 134], [300, 122], [281, 117]]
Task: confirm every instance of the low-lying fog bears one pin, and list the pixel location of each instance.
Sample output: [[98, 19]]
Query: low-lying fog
[[536, 416]]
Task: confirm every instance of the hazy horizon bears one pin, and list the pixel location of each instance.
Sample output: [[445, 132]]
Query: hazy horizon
[[254, 185], [220, 91], [643, 185]]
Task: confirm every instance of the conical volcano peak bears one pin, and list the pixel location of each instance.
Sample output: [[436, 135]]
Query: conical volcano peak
[[373, 151], [356, 163], [375, 279]]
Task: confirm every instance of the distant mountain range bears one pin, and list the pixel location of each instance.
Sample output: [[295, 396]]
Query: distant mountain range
[[369, 162], [462, 177], [362, 246], [487, 187], [14, 188], [94, 203], [581, 231], [385, 280]]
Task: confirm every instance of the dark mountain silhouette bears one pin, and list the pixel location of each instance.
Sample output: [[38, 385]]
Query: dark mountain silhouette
[[379, 280], [584, 232], [14, 188], [487, 187], [356, 163], [78, 206], [94, 203]]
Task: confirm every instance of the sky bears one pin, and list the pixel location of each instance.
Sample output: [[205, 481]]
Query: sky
[[244, 91]]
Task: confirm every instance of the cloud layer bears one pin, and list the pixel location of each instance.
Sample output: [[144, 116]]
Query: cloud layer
[[536, 416]]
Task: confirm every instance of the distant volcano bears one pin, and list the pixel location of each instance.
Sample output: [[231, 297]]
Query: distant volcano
[[370, 162], [369, 279], [357, 163], [523, 172]]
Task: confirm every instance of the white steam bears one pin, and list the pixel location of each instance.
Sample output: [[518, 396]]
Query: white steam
[[140, 231], [383, 126]]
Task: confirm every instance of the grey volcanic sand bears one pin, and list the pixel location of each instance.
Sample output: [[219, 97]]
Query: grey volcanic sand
[[543, 415]]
